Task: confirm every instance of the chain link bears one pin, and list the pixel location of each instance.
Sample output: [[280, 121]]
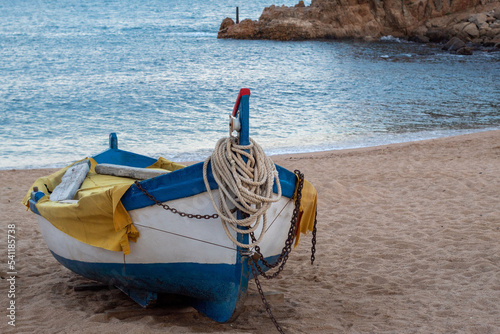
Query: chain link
[[173, 210], [281, 261], [313, 247], [258, 256], [263, 297]]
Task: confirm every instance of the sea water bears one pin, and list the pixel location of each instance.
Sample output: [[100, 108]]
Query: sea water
[[155, 73]]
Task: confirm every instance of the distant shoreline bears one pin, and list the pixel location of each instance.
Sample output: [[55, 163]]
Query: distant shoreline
[[314, 152], [463, 27]]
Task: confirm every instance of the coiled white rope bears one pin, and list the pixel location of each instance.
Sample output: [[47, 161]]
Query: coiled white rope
[[248, 186]]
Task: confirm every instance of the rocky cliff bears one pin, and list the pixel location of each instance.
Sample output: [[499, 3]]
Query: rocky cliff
[[476, 21]]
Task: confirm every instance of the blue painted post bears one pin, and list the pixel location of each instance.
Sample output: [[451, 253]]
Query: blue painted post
[[245, 120], [113, 141], [243, 106]]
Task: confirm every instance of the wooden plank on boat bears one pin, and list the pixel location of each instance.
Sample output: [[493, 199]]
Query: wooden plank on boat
[[71, 181], [127, 171]]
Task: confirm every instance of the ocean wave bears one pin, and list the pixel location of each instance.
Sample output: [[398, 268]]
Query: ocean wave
[[390, 38]]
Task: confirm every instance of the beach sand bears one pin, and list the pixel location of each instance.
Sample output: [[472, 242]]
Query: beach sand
[[408, 242]]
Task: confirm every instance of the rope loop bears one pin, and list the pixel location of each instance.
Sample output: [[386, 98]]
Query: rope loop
[[245, 176]]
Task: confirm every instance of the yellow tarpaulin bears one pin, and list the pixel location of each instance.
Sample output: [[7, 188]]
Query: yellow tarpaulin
[[98, 218], [307, 211]]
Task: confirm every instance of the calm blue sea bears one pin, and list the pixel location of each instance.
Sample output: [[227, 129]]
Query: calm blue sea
[[154, 72]]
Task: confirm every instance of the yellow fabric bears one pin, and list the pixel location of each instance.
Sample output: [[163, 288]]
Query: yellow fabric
[[307, 211], [163, 163], [98, 218]]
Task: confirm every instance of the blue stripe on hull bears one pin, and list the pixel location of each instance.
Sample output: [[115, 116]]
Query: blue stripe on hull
[[215, 288], [181, 183], [120, 157], [188, 182]]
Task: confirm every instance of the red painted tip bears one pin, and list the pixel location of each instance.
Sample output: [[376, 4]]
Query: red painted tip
[[243, 92]]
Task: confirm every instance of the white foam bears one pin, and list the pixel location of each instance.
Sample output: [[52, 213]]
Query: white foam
[[390, 38]]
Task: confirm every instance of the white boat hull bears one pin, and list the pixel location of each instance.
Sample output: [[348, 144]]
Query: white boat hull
[[166, 237]]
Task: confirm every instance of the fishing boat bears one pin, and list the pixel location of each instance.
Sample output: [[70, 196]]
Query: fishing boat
[[151, 226]]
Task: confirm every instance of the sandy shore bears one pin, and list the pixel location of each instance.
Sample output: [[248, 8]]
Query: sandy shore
[[408, 242]]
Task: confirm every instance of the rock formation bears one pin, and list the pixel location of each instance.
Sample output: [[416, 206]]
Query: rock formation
[[474, 21]]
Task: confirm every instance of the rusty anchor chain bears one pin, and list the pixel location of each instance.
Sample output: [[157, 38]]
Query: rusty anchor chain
[[257, 255], [173, 210], [282, 259]]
